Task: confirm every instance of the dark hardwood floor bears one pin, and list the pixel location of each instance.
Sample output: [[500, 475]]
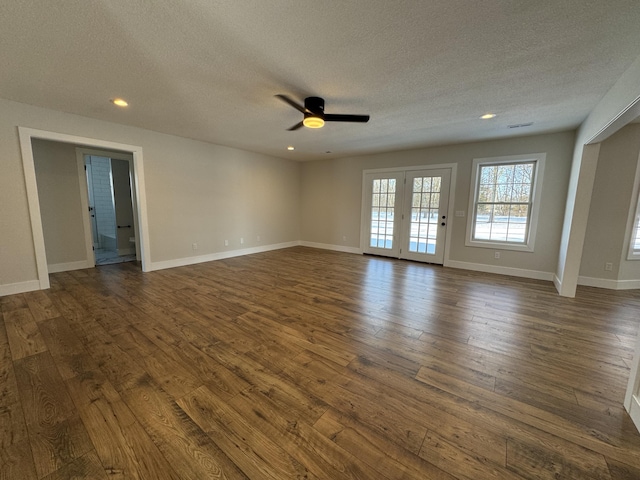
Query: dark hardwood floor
[[304, 363]]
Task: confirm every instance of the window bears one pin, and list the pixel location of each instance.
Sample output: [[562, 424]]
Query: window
[[504, 201], [633, 225], [634, 251]]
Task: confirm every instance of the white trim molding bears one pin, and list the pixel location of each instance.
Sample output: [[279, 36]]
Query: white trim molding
[[26, 135], [509, 271], [21, 287], [609, 284], [335, 248], [557, 282], [68, 266], [182, 262], [631, 400]]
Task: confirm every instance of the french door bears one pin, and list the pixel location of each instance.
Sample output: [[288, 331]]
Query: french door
[[406, 214]]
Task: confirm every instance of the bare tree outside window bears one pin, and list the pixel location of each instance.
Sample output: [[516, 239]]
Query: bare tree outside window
[[503, 203]]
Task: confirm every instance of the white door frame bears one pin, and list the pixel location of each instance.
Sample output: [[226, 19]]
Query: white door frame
[[84, 197], [632, 397], [453, 167], [26, 135], [90, 200]]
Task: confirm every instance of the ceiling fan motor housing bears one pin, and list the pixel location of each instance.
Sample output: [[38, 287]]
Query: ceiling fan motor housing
[[314, 104]]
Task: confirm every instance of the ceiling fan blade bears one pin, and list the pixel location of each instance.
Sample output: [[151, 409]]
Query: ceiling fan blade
[[333, 117], [286, 99], [295, 127]]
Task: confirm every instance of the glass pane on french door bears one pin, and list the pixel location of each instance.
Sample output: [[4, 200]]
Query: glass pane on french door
[[425, 205], [425, 215], [383, 195], [383, 202]]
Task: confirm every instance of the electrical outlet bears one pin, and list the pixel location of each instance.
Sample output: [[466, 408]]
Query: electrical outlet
[[608, 267], [194, 246], [496, 254], [258, 238], [241, 240], [226, 243], [344, 238]]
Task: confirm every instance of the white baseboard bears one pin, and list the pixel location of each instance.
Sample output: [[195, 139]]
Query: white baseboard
[[335, 248], [512, 272], [634, 411], [21, 287], [65, 267], [181, 262], [557, 282], [610, 284]]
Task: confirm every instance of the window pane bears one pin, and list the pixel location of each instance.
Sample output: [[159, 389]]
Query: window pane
[[517, 228], [382, 205], [487, 193], [488, 175], [425, 202], [503, 202], [505, 174], [484, 214]]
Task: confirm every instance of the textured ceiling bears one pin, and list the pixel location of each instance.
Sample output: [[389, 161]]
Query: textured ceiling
[[424, 70]]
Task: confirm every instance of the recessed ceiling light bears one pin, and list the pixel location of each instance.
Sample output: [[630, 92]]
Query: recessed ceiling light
[[488, 116], [290, 147], [120, 102]]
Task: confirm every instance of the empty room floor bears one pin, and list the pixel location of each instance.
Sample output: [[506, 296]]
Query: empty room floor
[[305, 363]]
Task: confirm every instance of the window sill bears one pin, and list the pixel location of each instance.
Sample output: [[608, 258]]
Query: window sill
[[501, 246]]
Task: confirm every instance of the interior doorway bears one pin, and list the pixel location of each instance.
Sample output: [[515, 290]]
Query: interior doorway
[[405, 213], [110, 207], [26, 136]]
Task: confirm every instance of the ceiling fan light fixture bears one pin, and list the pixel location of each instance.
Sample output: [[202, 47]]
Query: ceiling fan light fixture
[[313, 121], [314, 116]]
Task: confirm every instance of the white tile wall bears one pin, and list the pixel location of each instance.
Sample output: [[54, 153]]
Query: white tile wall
[[103, 196]]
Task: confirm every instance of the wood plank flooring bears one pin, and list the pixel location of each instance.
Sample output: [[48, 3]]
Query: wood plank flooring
[[309, 364]]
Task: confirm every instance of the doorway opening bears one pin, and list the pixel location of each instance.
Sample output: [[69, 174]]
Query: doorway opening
[[113, 228], [26, 136]]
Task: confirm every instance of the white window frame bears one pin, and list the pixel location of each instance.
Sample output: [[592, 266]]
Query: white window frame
[[633, 224], [536, 196]]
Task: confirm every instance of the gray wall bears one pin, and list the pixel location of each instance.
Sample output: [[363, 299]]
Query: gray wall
[[195, 192], [332, 195], [59, 194], [198, 192]]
